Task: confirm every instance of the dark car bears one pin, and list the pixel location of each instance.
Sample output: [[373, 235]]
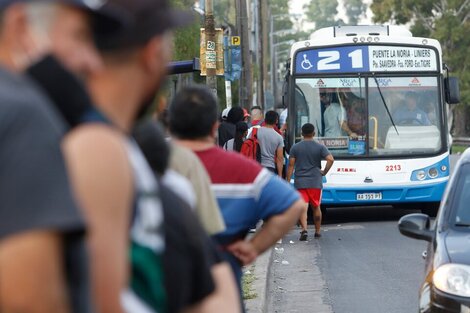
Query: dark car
[[446, 287]]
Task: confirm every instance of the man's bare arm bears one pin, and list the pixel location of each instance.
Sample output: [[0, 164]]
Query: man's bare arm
[[279, 160], [102, 180], [290, 169], [274, 229], [329, 163], [225, 298], [32, 274]]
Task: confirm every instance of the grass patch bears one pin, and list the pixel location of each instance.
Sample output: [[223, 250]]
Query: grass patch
[[458, 149], [247, 286]]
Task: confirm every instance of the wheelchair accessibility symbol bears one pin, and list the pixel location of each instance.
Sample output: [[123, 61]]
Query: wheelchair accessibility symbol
[[306, 64]]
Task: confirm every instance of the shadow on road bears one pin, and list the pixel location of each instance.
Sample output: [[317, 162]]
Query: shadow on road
[[364, 214]]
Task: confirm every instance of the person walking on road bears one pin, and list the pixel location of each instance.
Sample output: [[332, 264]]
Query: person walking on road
[[305, 157]]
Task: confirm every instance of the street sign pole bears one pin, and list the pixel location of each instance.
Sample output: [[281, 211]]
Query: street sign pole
[[211, 51]]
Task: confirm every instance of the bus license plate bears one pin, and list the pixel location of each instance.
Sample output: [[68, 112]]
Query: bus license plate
[[369, 196]]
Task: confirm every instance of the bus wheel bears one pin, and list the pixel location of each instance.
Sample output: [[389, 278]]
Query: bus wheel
[[323, 211], [431, 209]]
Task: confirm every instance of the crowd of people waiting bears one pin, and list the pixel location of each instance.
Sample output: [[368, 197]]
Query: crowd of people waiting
[[100, 211]]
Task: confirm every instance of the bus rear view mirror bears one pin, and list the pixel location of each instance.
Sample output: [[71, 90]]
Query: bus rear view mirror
[[452, 90]]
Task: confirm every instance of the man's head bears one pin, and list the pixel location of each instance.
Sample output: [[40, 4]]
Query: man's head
[[325, 98], [411, 100], [31, 29], [142, 48], [193, 114], [271, 118], [308, 130], [235, 115], [256, 113]]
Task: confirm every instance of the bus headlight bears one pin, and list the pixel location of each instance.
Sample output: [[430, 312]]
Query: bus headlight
[[433, 172], [421, 175], [453, 279]]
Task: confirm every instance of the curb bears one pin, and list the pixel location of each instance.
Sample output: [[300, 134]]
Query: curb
[[261, 269]]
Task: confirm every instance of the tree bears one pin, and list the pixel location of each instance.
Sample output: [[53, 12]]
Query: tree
[[448, 21], [355, 9], [323, 13]]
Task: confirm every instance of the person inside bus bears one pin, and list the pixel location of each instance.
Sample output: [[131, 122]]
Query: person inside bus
[[409, 114], [356, 116], [334, 120]]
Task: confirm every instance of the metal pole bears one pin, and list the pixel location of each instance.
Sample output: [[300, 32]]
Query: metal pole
[[209, 25], [260, 31], [247, 85], [271, 44]]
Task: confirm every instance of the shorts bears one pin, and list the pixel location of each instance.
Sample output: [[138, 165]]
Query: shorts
[[311, 195]]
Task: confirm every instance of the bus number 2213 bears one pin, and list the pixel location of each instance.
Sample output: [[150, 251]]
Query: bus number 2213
[[393, 168]]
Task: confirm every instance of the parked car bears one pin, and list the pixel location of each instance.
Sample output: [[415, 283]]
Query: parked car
[[446, 287]]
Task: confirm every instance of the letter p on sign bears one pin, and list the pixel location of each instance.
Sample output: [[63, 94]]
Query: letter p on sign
[[235, 40]]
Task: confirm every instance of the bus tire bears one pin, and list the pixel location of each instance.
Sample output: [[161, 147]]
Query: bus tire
[[431, 209], [323, 211]]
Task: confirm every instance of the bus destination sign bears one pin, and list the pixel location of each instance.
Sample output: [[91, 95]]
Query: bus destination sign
[[354, 59]]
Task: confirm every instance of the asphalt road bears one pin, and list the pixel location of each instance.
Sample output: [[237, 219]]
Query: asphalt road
[[360, 265]]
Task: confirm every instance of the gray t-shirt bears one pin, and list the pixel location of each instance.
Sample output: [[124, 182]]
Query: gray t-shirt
[[308, 155], [269, 141], [34, 189]]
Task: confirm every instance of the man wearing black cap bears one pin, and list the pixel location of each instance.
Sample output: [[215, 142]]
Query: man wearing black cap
[[113, 182], [43, 264]]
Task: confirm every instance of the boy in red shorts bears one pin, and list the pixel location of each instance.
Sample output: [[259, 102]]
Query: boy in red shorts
[[305, 157]]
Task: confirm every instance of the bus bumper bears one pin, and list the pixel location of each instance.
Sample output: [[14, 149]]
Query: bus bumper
[[389, 195]]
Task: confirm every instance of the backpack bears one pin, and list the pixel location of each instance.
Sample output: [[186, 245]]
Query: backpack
[[250, 147]]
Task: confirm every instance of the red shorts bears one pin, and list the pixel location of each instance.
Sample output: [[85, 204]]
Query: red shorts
[[311, 195]]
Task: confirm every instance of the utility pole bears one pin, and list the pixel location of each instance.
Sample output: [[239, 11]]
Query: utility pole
[[246, 81], [260, 52], [209, 25]]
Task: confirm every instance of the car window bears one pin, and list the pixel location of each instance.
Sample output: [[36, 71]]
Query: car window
[[462, 203]]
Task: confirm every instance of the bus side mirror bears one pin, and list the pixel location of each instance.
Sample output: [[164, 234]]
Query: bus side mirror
[[452, 90]]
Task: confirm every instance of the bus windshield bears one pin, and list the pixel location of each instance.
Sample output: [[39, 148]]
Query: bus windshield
[[371, 116]]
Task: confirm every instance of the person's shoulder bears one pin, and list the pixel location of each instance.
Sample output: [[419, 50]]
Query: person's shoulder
[[234, 166], [96, 140], [182, 153]]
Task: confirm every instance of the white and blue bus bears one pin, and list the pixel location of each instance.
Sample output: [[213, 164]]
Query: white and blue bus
[[358, 86]]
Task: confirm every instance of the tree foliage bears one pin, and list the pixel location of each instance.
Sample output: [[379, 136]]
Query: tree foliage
[[323, 13], [448, 21], [355, 9]]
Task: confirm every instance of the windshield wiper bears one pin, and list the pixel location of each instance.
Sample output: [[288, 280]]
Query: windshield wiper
[[385, 104], [463, 224]]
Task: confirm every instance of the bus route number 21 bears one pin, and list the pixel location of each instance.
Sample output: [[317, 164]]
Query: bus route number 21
[[331, 60]]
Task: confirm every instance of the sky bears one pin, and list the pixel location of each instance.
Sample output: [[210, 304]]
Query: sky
[[296, 7]]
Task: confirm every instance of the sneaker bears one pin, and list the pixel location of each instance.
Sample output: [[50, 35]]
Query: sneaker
[[317, 235], [303, 235]]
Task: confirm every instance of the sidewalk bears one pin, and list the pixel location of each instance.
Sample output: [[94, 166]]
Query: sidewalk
[[260, 271]]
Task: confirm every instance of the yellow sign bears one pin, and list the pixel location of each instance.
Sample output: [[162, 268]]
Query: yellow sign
[[212, 53], [236, 40]]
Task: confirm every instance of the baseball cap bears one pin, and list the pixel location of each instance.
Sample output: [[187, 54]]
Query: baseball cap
[[225, 113], [105, 19], [146, 19]]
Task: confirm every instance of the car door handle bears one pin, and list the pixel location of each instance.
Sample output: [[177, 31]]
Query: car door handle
[[424, 254]]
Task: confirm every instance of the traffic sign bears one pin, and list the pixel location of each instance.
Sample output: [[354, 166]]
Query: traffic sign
[[236, 40]]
